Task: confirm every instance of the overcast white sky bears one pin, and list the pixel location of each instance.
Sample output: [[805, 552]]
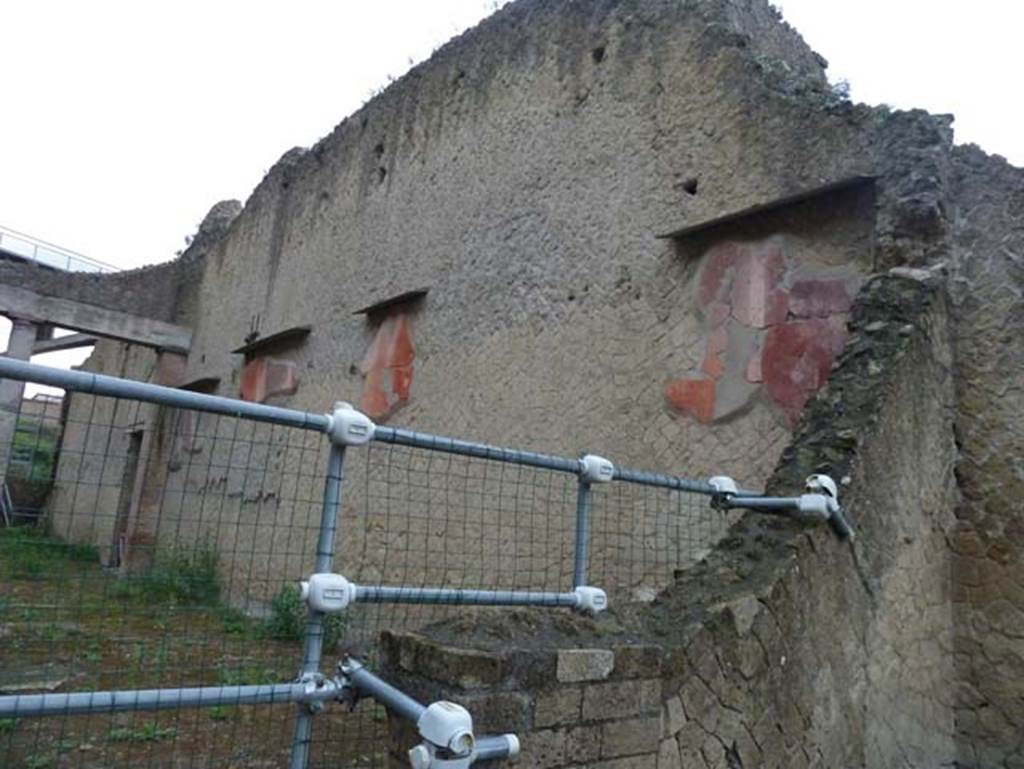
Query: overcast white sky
[[123, 122]]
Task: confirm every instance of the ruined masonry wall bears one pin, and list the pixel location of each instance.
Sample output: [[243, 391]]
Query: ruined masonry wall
[[988, 544], [787, 648]]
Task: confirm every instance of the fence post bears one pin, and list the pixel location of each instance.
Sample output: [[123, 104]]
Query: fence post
[[579, 573], [313, 647]]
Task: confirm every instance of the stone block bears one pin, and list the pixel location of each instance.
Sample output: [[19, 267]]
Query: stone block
[[648, 761], [612, 700], [543, 749], [583, 744], [560, 706], [498, 711], [577, 665], [650, 696], [465, 668], [673, 717], [668, 755], [631, 736], [637, 661]]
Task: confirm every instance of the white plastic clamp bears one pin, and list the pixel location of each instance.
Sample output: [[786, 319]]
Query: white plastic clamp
[[448, 741], [723, 484], [595, 469], [590, 599], [814, 506], [349, 427], [822, 484], [327, 593], [447, 725]]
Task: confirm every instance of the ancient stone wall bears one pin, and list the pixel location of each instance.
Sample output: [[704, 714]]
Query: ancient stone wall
[[786, 648], [988, 545], [516, 184], [90, 477], [523, 175], [162, 292]]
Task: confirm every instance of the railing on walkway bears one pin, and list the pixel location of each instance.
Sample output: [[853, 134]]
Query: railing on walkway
[[157, 600], [31, 249]]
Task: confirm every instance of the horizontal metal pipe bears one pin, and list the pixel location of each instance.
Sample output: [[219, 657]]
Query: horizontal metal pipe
[[97, 384], [492, 746], [76, 703], [470, 449], [464, 597], [662, 481], [765, 503], [386, 694]]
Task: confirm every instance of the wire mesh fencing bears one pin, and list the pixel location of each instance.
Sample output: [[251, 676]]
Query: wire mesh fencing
[[167, 548]]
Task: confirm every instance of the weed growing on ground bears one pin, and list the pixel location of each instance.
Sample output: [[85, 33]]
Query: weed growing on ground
[[27, 552], [148, 732], [178, 577], [288, 616]]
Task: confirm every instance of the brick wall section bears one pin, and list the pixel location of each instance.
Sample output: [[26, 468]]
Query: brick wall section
[[785, 648], [599, 707]]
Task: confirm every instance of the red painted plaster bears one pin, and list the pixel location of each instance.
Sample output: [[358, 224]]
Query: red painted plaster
[[388, 367], [753, 372], [719, 259], [263, 378], [744, 282], [797, 359], [812, 298], [692, 396], [756, 302], [714, 356]]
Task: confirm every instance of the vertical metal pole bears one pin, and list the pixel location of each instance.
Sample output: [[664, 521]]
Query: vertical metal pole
[[315, 627], [579, 574]]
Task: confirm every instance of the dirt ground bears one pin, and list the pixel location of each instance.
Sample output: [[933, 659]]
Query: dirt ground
[[67, 624]]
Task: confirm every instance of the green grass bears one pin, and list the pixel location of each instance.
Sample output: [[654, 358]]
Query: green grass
[[220, 713], [8, 725], [247, 676], [27, 552], [178, 577], [289, 615], [34, 450], [148, 732]]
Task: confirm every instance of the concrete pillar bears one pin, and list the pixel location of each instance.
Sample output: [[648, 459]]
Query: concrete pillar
[[19, 346]]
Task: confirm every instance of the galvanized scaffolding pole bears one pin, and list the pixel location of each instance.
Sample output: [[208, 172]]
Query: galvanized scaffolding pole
[[313, 648], [134, 700], [579, 571]]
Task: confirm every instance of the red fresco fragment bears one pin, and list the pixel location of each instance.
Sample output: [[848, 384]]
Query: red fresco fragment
[[755, 300], [714, 363], [263, 378], [716, 264], [388, 367], [813, 298], [718, 314], [692, 396], [797, 358], [753, 372]]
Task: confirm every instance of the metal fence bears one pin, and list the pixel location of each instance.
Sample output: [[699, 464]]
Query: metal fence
[[31, 249], [165, 550]]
